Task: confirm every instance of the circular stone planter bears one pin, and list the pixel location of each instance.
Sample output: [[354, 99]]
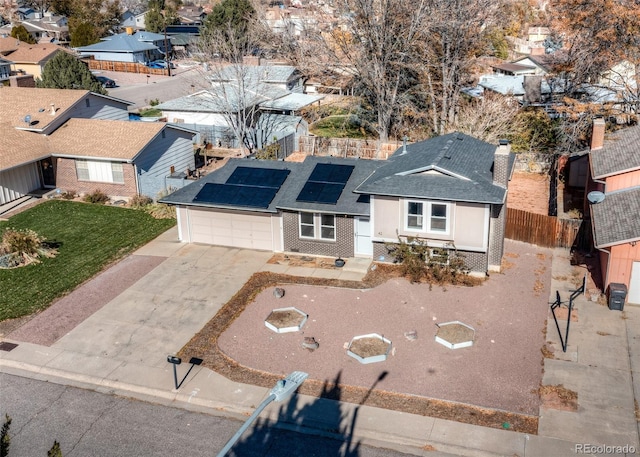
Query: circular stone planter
[[285, 320], [369, 348], [455, 335]]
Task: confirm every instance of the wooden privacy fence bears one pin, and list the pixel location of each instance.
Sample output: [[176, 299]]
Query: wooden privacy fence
[[125, 67], [547, 231], [345, 147]]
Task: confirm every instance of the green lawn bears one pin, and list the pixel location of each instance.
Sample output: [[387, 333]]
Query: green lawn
[[90, 237], [338, 126]]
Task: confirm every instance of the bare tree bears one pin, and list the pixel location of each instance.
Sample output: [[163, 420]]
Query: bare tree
[[377, 41], [489, 118], [238, 88], [449, 44]]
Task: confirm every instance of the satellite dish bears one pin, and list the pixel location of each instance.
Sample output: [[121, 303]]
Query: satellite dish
[[27, 119], [595, 197]]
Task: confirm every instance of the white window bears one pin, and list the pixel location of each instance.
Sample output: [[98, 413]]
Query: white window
[[427, 217], [318, 226], [89, 170]]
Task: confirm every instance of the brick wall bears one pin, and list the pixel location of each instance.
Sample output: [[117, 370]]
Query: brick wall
[[342, 247], [66, 179], [497, 225], [475, 261]]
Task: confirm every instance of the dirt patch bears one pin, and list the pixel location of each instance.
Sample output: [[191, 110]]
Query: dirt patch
[[369, 347], [438, 379], [559, 397], [455, 333], [285, 318], [529, 192], [303, 261]]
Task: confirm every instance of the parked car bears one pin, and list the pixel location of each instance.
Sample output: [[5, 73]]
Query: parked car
[[106, 82], [160, 64]]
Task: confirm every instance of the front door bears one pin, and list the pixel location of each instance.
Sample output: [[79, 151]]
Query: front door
[[364, 246], [48, 173]]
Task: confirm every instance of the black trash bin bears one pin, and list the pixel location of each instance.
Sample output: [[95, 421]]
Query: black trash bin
[[617, 296]]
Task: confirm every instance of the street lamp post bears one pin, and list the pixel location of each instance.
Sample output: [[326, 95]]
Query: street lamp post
[[280, 392]]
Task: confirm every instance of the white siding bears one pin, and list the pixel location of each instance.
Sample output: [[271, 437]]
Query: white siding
[[18, 182], [236, 229]]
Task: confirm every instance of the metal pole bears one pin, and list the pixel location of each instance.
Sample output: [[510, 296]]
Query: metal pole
[[246, 425], [175, 376]]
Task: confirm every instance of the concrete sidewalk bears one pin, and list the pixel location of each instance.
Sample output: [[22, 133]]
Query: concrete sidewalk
[[122, 349]]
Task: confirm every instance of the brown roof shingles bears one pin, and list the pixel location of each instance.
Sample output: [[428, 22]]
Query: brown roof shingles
[[100, 138], [19, 147], [33, 53], [17, 102]]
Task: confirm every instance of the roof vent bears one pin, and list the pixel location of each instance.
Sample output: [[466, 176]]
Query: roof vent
[[503, 142], [595, 197], [53, 109]]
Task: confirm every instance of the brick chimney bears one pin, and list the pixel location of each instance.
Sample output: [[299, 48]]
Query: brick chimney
[[501, 163], [597, 134]]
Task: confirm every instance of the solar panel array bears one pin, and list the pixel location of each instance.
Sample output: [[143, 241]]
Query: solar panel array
[[246, 187], [326, 183]]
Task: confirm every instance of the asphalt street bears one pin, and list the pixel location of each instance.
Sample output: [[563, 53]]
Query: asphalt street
[[87, 424], [142, 90]]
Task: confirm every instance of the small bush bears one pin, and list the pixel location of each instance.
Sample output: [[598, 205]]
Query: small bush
[[140, 201], [97, 196], [22, 247], [5, 438], [69, 195], [421, 263], [161, 211]]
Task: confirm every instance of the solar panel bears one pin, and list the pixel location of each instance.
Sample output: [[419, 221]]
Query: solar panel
[[327, 172], [320, 192], [261, 177], [325, 184], [236, 195]]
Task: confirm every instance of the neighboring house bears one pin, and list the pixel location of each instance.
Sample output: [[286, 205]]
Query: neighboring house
[[136, 21], [31, 58], [56, 138], [8, 44], [131, 46], [273, 109], [449, 191], [191, 15], [283, 77], [48, 27], [5, 69], [615, 171]]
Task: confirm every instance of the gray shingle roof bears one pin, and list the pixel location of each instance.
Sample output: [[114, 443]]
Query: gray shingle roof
[[615, 220], [349, 202], [120, 43], [621, 153], [186, 195], [454, 167]]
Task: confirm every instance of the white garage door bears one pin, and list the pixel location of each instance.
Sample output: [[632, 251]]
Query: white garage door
[[634, 285], [241, 230]]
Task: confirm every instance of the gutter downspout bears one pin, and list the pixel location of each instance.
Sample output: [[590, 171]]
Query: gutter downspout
[[135, 177]]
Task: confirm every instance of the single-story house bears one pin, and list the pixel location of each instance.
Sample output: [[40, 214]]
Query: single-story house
[[614, 201], [31, 58], [131, 46], [270, 110], [76, 140], [449, 191]]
